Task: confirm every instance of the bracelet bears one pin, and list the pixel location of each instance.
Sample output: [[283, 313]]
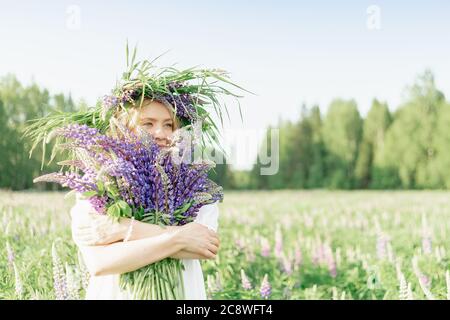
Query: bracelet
[[129, 231]]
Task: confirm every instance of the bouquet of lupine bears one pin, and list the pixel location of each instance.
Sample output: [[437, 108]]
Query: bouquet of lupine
[[126, 175]]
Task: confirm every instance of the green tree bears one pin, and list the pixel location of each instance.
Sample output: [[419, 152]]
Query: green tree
[[342, 129], [19, 104], [374, 130], [410, 147]]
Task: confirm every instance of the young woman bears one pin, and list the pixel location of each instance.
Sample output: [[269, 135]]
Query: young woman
[[100, 240], [159, 101]]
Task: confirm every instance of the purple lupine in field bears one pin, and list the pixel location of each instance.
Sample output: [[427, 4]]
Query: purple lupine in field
[[59, 277], [332, 266], [427, 243], [265, 289], [246, 284], [298, 258], [278, 242], [382, 243], [10, 254], [315, 255], [17, 282], [330, 260], [73, 285], [318, 254], [286, 264], [265, 247], [84, 273], [424, 281]]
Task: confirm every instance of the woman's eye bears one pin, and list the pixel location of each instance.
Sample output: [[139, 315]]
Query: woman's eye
[[169, 125], [148, 124]]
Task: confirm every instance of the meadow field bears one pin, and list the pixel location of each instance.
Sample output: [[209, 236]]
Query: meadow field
[[305, 244]]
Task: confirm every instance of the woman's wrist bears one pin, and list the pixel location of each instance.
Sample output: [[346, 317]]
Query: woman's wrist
[[177, 240], [129, 230], [124, 228]]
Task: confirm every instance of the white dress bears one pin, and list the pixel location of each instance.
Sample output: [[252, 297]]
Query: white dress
[[107, 287]]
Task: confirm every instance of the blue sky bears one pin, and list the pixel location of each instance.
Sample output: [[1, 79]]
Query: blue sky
[[288, 52]]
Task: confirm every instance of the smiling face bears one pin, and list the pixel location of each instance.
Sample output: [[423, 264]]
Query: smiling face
[[156, 119]]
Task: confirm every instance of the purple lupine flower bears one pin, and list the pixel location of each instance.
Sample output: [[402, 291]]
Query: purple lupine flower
[[425, 281], [318, 255], [110, 101], [10, 254], [128, 96], [144, 176], [246, 284], [427, 244], [330, 261], [59, 277], [278, 242], [265, 289], [265, 247], [382, 243], [17, 282], [298, 259], [66, 179], [332, 267], [181, 101], [286, 264], [99, 203]]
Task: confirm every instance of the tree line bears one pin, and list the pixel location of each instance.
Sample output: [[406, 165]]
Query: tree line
[[404, 149], [19, 103]]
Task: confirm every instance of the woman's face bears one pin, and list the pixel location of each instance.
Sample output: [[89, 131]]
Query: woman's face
[[156, 119]]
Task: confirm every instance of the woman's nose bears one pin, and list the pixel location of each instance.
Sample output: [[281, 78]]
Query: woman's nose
[[158, 132]]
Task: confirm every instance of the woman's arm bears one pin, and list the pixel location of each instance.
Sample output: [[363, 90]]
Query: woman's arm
[[122, 257], [142, 230], [91, 229]]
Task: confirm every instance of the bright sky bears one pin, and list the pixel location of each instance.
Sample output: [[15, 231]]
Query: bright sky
[[287, 52]]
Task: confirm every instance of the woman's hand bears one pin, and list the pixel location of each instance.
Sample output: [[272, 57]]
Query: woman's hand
[[90, 229], [198, 239]]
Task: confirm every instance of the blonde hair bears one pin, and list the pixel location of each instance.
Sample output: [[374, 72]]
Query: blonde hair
[[129, 117]]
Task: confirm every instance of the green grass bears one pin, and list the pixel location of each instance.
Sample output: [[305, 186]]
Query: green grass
[[346, 225]]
